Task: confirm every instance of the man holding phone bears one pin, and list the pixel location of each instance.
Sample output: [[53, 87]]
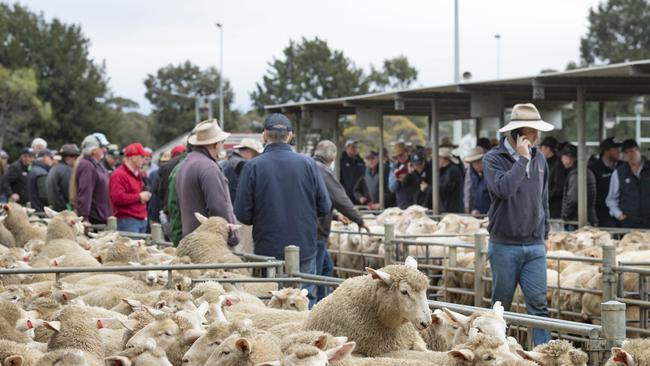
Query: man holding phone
[[517, 179]]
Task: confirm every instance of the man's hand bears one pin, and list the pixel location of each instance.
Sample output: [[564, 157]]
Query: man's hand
[[145, 196], [523, 147], [424, 186], [475, 212], [364, 227], [401, 177], [344, 220], [621, 217], [363, 200], [15, 197]]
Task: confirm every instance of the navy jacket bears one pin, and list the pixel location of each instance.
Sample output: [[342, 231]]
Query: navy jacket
[[479, 195], [282, 195], [519, 210], [231, 169]]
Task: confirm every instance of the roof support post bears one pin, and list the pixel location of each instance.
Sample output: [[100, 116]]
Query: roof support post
[[435, 173], [582, 156], [602, 133], [337, 142], [382, 166]]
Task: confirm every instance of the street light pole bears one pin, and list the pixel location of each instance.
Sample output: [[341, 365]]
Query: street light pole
[[498, 38], [221, 121], [456, 45]]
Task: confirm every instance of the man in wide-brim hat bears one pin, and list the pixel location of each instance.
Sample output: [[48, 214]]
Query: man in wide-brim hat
[[201, 187], [517, 179], [477, 197]]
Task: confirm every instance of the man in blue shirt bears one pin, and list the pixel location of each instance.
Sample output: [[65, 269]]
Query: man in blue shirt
[[517, 179], [282, 195]]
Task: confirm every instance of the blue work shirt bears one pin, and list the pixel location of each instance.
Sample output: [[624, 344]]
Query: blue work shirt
[[282, 194]]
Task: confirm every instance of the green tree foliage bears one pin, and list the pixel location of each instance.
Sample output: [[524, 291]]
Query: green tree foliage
[[130, 126], [171, 89], [20, 107], [67, 77], [619, 31], [309, 70], [396, 128], [397, 73]]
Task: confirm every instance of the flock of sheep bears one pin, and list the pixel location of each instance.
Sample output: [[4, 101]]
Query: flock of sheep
[[379, 318]]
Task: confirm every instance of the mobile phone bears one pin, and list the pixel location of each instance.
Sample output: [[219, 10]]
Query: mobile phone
[[514, 135]]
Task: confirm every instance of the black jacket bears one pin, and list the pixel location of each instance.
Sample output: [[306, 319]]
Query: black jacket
[[15, 181], [570, 197], [603, 174], [556, 179], [352, 169], [37, 186], [163, 181], [58, 186], [231, 169]]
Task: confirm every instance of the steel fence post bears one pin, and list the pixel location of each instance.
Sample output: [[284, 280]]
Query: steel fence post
[[111, 223], [389, 244], [613, 323], [291, 260], [609, 276], [157, 233], [479, 266]]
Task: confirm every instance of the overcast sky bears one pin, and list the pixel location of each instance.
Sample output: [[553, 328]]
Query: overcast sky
[[136, 37]]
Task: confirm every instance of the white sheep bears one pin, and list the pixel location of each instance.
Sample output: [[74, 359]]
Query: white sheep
[[379, 311]]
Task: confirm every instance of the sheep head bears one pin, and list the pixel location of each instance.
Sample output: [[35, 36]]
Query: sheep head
[[146, 355], [313, 356], [289, 299], [556, 353], [482, 350], [216, 334], [403, 294]]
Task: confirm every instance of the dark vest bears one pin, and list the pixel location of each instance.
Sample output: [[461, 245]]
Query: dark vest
[[634, 198]]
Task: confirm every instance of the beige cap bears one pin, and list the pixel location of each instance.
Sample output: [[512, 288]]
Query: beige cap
[[475, 154], [445, 152], [251, 144]]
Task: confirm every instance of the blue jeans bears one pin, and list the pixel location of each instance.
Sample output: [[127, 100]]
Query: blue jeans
[[132, 225], [324, 267], [526, 265], [308, 265]]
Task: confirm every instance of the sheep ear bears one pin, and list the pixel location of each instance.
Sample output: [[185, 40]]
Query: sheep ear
[[50, 212], [30, 211], [321, 342], [465, 355], [342, 339], [2, 219], [15, 360], [129, 324], [379, 275], [620, 355], [190, 336], [203, 308], [134, 304], [53, 325], [498, 309], [150, 344], [153, 312], [277, 294], [200, 217], [411, 262], [304, 292], [243, 345], [457, 318], [117, 361], [337, 354], [530, 355]]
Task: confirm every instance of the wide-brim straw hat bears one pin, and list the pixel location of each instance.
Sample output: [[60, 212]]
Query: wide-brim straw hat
[[251, 144], [398, 149], [207, 133], [446, 142], [475, 154], [526, 115], [445, 152]]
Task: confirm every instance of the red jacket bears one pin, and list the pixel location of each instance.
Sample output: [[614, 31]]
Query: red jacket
[[125, 188]]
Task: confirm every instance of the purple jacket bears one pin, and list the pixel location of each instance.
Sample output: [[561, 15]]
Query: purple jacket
[[93, 200], [201, 187]]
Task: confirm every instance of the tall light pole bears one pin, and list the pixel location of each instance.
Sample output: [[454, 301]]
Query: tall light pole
[[498, 38], [456, 45], [221, 121]]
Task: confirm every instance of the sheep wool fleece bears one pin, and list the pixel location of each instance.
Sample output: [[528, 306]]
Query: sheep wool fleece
[[352, 310]]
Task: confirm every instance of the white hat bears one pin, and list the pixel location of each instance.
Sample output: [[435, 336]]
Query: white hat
[[207, 133], [445, 152], [251, 144], [475, 154], [526, 115]]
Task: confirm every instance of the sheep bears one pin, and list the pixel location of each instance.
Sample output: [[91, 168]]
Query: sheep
[[18, 354], [289, 299], [78, 333], [556, 352], [321, 340], [208, 243], [171, 332], [68, 357], [147, 355], [237, 350], [379, 311], [17, 222], [216, 334], [268, 318], [64, 225], [285, 329], [633, 353], [306, 355], [6, 237], [458, 326]]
